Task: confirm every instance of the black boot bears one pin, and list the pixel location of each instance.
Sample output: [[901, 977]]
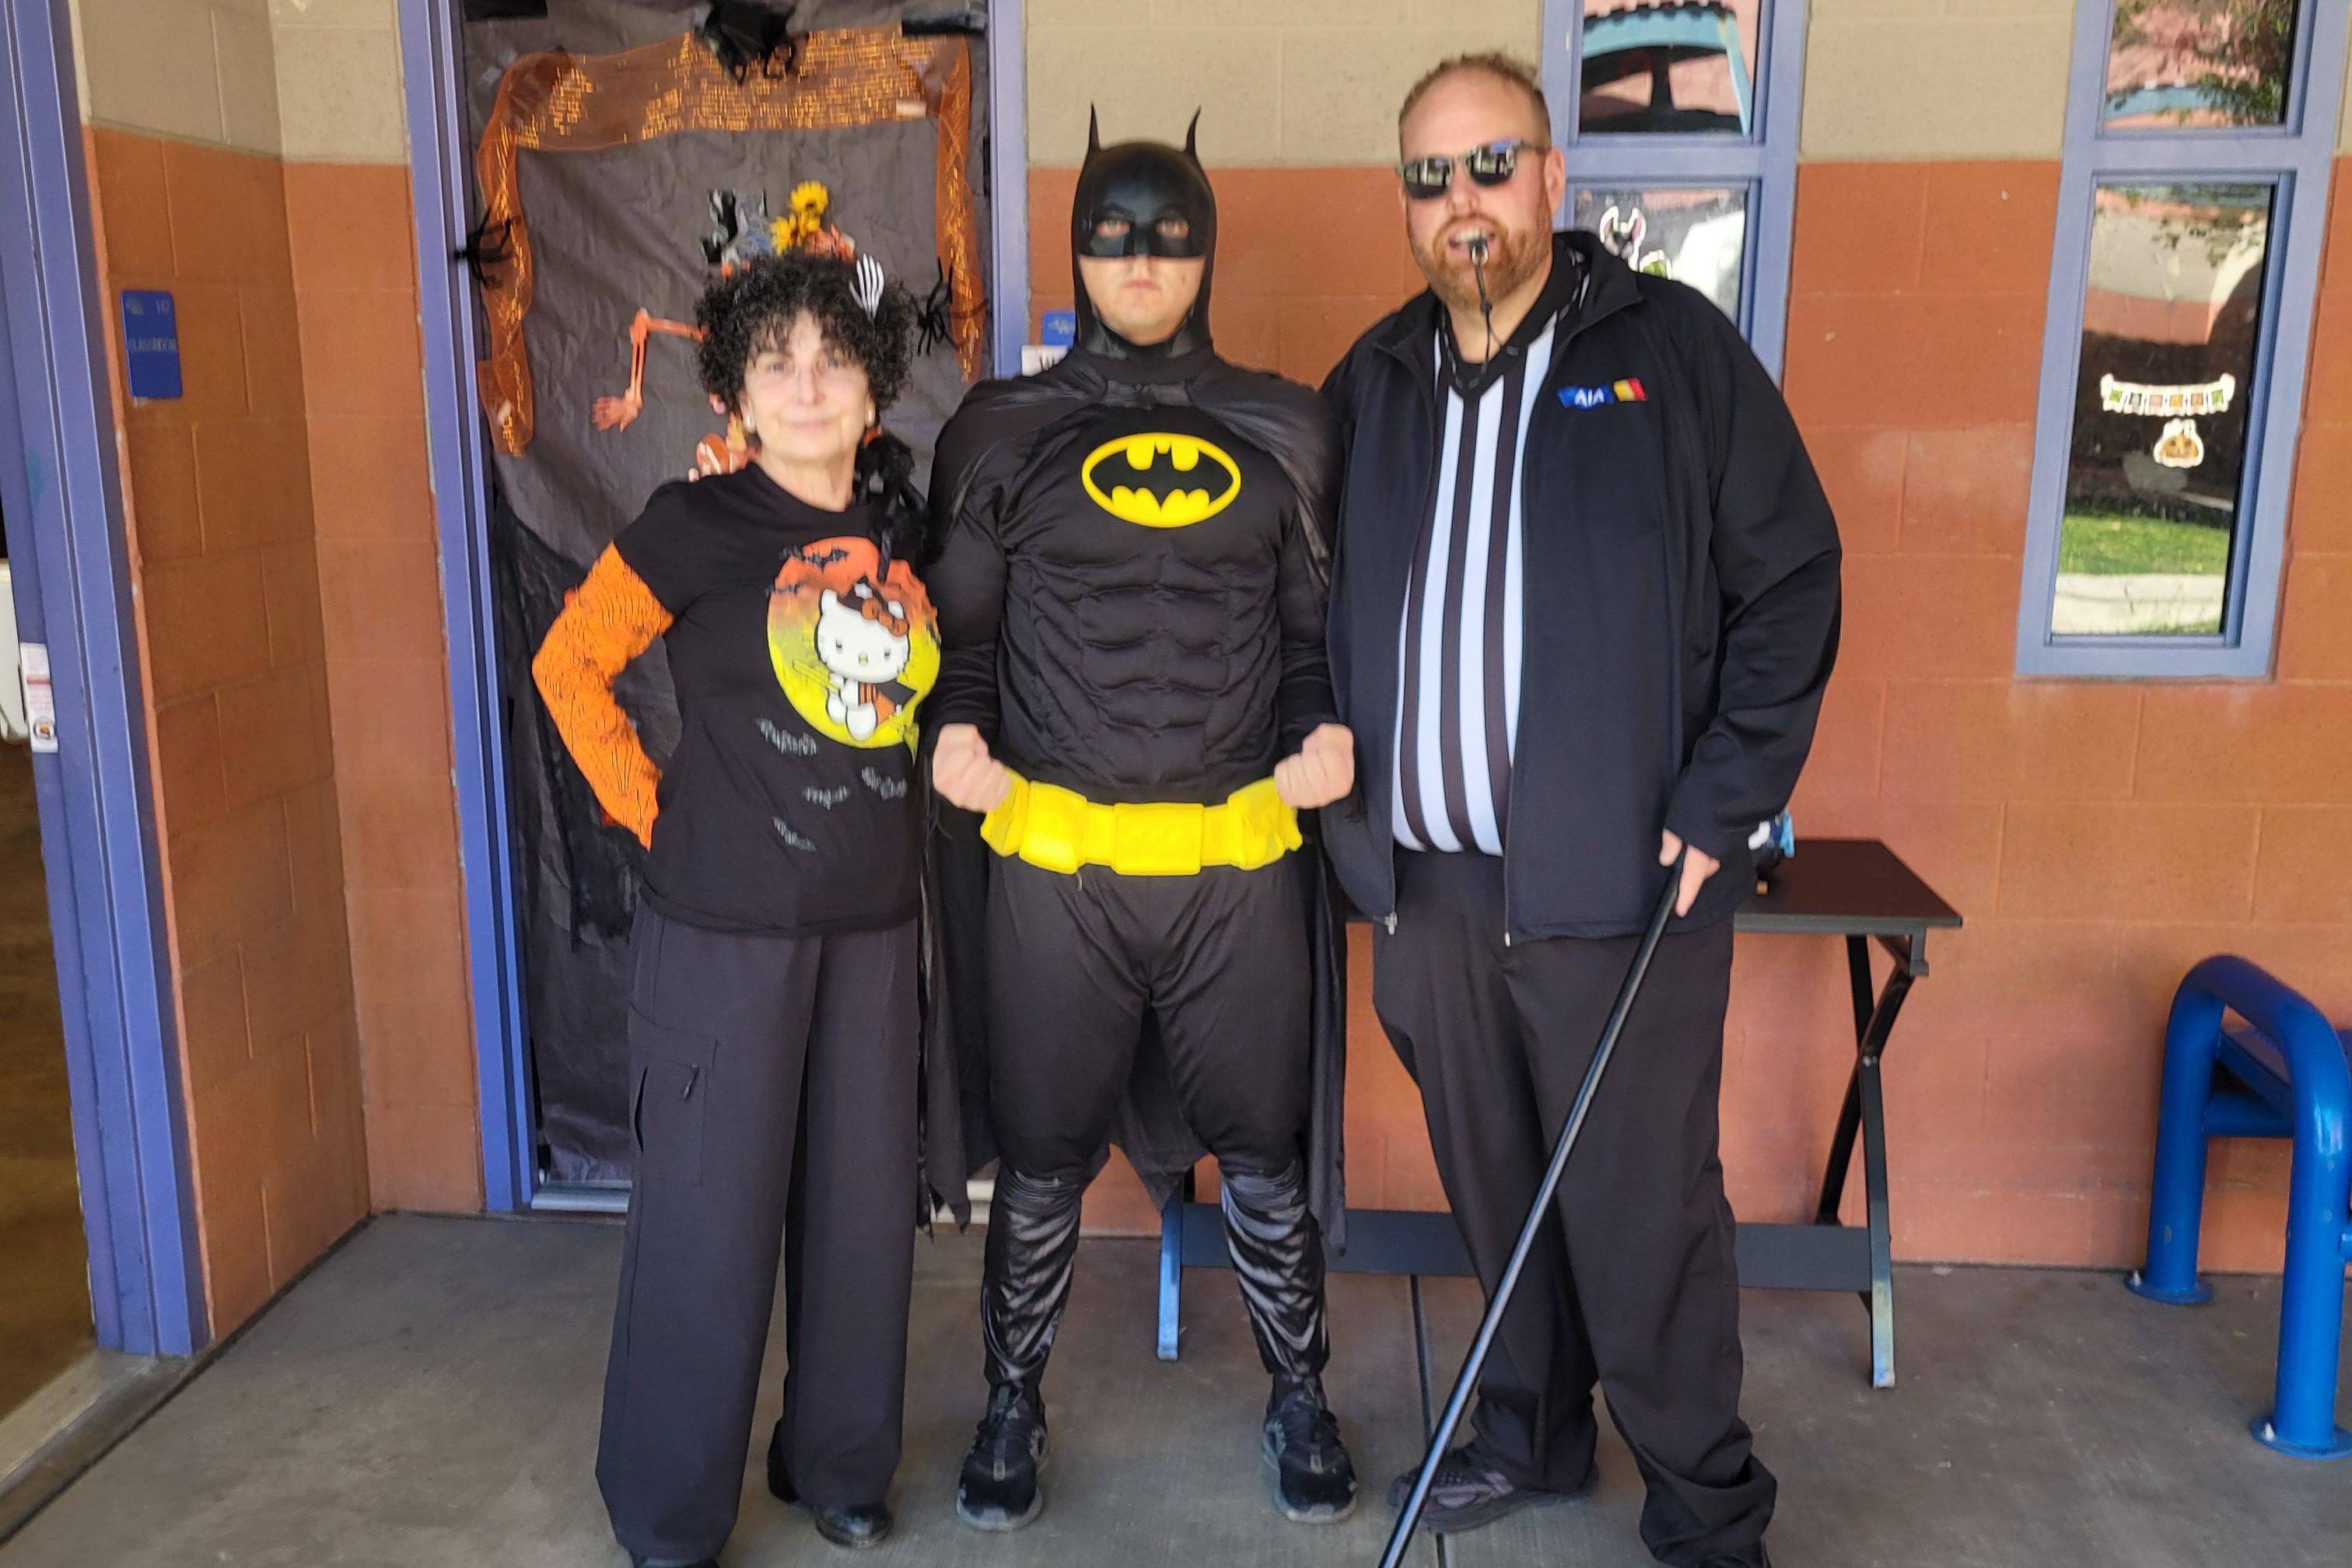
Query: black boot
[[1033, 1245], [1277, 1252]]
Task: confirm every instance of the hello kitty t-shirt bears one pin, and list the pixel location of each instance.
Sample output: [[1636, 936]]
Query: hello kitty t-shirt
[[799, 651]]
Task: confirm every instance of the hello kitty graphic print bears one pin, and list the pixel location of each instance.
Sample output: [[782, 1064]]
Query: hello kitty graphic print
[[853, 641]]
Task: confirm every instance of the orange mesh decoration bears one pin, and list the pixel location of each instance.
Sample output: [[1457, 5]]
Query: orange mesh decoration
[[582, 103]]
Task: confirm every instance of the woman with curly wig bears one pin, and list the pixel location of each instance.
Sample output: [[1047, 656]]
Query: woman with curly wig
[[771, 1016]]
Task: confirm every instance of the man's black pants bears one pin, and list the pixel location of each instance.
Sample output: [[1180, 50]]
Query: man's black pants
[[1635, 1287], [1218, 959], [773, 1097]]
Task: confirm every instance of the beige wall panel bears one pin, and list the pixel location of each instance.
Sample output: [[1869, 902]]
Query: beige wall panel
[[1309, 82], [1263, 16], [1340, 90], [249, 80], [1070, 68], [2344, 119], [334, 13], [339, 94], [151, 68], [1947, 87]]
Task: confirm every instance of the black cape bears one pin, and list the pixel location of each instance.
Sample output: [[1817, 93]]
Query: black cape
[[1000, 424]]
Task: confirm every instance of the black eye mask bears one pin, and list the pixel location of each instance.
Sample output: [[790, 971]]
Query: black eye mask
[[1143, 198]]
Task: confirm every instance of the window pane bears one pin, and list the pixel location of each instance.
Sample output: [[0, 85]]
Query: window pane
[[1651, 67], [1695, 236], [2155, 476], [2174, 63]]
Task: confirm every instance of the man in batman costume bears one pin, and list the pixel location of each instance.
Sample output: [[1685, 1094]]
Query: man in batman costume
[[1136, 695]]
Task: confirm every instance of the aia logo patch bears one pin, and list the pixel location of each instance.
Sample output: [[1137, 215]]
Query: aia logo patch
[[1627, 391]]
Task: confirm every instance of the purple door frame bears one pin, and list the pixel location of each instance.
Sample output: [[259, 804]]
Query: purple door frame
[[60, 488]]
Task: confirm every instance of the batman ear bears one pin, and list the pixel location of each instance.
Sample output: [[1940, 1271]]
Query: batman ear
[[1094, 133], [1191, 131]]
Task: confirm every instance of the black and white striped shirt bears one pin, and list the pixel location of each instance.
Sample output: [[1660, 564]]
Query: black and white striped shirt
[[1458, 685]]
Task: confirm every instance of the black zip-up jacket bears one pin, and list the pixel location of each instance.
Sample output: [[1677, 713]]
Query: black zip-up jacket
[[1681, 611]]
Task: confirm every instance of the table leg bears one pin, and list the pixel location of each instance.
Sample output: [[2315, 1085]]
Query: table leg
[[1864, 1115], [1882, 1241], [1171, 1270], [1857, 959]]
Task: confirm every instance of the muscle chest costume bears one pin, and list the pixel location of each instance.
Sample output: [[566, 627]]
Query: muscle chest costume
[[1130, 587]]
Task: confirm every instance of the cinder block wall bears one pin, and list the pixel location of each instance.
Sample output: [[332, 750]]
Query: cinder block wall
[[249, 157]]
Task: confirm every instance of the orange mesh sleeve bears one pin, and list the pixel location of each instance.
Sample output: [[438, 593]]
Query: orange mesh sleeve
[[607, 621]]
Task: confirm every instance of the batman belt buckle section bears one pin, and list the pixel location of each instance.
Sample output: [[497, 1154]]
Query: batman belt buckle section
[[1052, 830], [1259, 827], [1156, 839]]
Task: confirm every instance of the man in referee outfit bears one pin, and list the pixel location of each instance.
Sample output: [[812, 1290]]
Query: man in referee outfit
[[1584, 604]]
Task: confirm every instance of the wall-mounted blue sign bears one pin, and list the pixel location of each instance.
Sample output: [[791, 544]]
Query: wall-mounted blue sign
[[151, 343], [1059, 329]]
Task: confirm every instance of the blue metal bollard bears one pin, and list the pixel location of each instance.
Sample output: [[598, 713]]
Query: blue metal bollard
[[2299, 1060]]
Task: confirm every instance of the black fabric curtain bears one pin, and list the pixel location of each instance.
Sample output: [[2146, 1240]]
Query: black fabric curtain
[[614, 232]]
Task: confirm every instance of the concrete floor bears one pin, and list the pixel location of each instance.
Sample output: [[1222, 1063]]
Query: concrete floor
[[430, 1395], [44, 1270]]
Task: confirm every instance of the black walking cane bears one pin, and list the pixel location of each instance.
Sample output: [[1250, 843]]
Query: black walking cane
[[1539, 1214]]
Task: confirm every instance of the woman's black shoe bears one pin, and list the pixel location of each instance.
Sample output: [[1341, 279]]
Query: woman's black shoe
[[998, 1489], [862, 1525], [1315, 1481], [858, 1525]]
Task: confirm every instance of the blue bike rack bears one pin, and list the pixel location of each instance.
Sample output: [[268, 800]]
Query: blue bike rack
[[2286, 1075]]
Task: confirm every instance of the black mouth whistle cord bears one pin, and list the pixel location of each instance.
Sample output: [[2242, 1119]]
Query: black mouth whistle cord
[[1538, 1215]]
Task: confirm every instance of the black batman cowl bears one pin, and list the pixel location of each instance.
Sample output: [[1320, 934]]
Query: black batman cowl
[[1142, 198]]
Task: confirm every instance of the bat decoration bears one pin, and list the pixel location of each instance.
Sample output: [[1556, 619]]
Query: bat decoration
[[740, 34]]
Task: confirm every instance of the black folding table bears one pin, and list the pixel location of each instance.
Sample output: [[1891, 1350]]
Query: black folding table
[[1857, 888]]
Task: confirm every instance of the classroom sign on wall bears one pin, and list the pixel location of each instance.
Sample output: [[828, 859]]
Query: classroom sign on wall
[[151, 343]]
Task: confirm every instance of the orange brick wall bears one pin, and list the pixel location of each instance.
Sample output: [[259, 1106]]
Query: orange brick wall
[[2098, 836], [218, 502], [284, 556], [380, 588]]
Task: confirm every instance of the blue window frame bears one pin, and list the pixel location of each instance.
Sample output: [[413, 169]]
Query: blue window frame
[[2191, 206], [1680, 124]]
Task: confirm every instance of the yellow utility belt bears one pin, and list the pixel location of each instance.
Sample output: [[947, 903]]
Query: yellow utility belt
[[1061, 830]]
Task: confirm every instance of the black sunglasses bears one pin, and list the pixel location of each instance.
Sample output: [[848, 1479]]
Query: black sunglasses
[[1425, 179]]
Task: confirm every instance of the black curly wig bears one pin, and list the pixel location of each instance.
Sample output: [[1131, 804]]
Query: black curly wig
[[754, 312]]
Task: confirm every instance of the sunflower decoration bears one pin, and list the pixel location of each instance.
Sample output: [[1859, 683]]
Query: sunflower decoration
[[804, 225]]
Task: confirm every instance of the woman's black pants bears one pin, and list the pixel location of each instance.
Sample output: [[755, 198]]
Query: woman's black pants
[[773, 1100]]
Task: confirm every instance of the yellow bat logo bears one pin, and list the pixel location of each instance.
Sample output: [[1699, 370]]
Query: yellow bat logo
[[1128, 480]]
